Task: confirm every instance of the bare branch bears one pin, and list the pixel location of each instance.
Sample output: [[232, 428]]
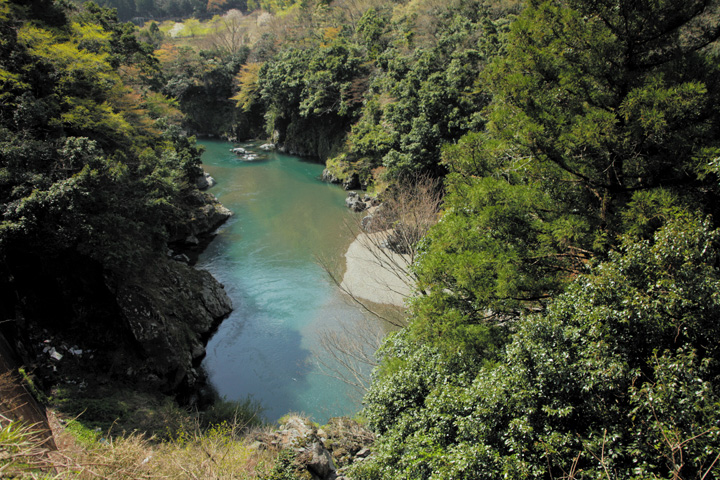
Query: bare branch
[[378, 271]]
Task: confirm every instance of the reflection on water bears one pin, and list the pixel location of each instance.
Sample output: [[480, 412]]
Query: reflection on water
[[265, 256]]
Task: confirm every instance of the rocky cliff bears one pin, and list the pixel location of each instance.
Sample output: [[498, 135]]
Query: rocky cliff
[[170, 309], [69, 316]]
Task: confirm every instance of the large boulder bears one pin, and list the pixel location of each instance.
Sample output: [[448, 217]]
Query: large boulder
[[202, 217], [329, 177], [354, 203], [320, 461], [204, 181]]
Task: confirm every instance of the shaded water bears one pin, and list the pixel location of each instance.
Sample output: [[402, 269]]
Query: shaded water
[[266, 258]]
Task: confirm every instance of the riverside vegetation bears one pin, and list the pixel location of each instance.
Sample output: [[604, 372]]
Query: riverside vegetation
[[564, 323]]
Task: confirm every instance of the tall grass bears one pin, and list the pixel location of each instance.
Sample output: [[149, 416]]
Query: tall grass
[[22, 454]]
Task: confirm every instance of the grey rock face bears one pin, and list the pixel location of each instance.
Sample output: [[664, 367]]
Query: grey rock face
[[321, 461], [327, 452], [206, 215], [354, 203], [205, 181], [170, 309], [329, 177]]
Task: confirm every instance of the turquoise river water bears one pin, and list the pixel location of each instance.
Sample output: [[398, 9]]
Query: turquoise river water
[[284, 217]]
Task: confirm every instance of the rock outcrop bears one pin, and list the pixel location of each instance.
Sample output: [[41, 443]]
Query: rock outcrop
[[359, 204], [321, 453], [145, 320], [204, 214], [329, 177], [171, 309], [354, 203], [204, 181]]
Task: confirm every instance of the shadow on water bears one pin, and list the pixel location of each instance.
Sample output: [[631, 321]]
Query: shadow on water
[[241, 367]]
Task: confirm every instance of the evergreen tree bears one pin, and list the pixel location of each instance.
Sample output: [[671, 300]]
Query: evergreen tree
[[599, 115], [601, 135]]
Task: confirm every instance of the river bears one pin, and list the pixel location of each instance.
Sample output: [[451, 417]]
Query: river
[[284, 217]]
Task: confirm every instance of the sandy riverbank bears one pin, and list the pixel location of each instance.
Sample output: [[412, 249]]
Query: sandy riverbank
[[375, 274]]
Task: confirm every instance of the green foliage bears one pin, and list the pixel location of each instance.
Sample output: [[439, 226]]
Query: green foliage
[[202, 83], [371, 29], [284, 468], [83, 166], [565, 325], [310, 96], [425, 97], [618, 376], [582, 145], [83, 434], [132, 9], [620, 112], [398, 100]]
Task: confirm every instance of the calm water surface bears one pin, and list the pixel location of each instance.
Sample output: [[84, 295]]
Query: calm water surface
[[266, 258]]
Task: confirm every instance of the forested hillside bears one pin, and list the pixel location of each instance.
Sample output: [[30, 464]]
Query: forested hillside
[[96, 180], [566, 319]]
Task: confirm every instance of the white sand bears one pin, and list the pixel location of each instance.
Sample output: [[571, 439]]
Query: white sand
[[375, 274]]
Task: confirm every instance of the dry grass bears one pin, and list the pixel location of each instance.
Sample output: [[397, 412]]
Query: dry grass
[[222, 451], [212, 454]]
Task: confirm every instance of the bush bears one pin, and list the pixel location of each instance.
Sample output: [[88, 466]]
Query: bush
[[240, 414]]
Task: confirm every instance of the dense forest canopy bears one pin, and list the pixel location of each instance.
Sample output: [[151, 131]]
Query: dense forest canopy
[[564, 322], [86, 144], [574, 218], [140, 10]]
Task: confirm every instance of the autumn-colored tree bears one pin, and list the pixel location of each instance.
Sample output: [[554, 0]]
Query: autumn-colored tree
[[247, 80], [214, 6]]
